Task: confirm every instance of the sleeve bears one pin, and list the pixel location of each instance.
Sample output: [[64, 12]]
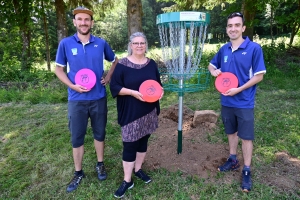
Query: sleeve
[[61, 58], [258, 63], [117, 81], [109, 55], [216, 60], [159, 81]]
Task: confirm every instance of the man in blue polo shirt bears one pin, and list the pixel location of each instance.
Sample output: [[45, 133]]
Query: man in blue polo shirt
[[243, 58], [84, 50]]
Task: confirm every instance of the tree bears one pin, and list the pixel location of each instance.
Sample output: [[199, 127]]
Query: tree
[[247, 7], [45, 25], [62, 30], [289, 17], [134, 16], [21, 18], [60, 7], [113, 26]]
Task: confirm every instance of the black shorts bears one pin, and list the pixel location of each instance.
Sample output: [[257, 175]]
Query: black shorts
[[239, 120], [78, 114]]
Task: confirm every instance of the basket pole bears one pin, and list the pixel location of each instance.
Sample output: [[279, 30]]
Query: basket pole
[[187, 20]]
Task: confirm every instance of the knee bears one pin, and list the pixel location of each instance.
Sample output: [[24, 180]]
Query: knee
[[99, 138], [247, 142], [77, 143], [129, 156]]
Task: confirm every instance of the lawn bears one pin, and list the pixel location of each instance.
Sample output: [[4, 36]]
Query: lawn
[[36, 159]]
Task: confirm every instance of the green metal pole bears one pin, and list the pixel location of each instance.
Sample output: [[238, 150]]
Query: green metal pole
[[180, 94], [180, 113], [179, 145]]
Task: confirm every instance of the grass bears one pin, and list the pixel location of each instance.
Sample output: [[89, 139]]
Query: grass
[[36, 160]]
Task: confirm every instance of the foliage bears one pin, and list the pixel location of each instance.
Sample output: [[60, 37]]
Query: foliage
[[193, 5], [113, 27]]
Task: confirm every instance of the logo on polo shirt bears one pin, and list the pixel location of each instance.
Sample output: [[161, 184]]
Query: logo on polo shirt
[[74, 51], [225, 59], [244, 53], [95, 45]]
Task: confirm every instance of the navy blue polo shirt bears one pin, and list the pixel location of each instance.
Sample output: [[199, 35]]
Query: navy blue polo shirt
[[76, 55], [244, 62]]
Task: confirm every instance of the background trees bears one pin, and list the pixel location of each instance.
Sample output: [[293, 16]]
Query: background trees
[[31, 29]]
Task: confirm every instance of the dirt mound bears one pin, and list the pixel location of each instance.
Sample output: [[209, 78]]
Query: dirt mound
[[201, 158]]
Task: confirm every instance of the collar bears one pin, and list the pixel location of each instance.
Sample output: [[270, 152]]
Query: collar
[[243, 45], [92, 38]]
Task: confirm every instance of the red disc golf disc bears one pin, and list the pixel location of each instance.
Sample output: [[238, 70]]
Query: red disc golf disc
[[151, 90], [226, 81], [85, 77]]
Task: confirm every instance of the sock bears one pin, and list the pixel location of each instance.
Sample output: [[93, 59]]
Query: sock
[[233, 157], [100, 163], [246, 168], [78, 172]]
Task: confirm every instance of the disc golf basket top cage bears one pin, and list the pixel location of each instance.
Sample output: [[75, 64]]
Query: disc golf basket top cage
[[182, 36]]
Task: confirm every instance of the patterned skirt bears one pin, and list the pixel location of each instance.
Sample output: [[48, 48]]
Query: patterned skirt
[[141, 127]]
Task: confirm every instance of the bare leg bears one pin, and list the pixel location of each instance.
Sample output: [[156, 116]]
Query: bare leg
[[140, 157], [78, 156], [127, 167], [233, 140], [99, 146], [247, 147]]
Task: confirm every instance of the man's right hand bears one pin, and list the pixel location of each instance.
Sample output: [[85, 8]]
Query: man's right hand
[[80, 88], [215, 72]]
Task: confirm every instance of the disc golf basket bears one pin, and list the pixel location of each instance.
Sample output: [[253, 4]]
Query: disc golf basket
[[182, 36]]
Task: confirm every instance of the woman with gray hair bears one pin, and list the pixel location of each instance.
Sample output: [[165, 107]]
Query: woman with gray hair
[[138, 119]]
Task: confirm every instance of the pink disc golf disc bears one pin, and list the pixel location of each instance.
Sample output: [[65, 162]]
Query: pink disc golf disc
[[151, 90], [85, 77], [226, 81]]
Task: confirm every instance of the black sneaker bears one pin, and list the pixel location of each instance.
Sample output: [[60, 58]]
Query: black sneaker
[[100, 169], [75, 182], [246, 181], [141, 174], [122, 189], [229, 165]]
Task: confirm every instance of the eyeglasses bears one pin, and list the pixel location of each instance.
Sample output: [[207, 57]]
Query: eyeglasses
[[138, 43], [236, 14]]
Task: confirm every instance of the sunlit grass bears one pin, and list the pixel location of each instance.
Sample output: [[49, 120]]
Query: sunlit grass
[[35, 150]]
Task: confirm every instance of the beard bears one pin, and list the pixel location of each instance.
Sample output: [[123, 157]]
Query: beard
[[83, 33]]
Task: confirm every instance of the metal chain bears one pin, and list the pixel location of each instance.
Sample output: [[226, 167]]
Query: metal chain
[[181, 62]]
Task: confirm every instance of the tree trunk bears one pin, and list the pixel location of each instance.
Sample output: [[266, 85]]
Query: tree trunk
[[295, 28], [134, 16], [62, 30], [294, 31], [248, 10], [46, 38], [271, 24], [25, 33]]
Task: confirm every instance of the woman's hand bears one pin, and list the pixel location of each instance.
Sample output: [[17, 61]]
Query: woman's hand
[[137, 95]]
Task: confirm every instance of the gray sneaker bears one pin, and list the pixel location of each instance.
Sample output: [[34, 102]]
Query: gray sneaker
[[100, 169]]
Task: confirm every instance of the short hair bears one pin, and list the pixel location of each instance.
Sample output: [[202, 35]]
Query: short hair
[[236, 14], [82, 9], [134, 35]]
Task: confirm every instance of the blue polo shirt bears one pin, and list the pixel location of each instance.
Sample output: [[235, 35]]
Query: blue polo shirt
[[76, 55], [244, 62]]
